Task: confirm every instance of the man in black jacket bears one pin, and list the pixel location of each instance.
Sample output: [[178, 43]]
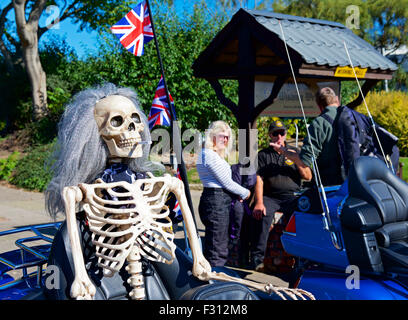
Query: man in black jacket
[[277, 180]]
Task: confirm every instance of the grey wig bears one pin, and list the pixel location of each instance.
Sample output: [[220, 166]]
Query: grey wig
[[80, 153]]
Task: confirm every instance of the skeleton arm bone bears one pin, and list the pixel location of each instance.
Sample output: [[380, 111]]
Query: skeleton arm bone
[[82, 287], [201, 267]]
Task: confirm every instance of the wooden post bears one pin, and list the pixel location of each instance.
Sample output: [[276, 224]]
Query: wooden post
[[246, 89], [175, 129]]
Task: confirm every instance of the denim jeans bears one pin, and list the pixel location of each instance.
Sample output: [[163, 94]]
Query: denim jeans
[[214, 210]]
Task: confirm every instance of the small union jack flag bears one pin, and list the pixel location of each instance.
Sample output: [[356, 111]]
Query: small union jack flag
[[176, 215], [160, 113], [178, 175], [135, 29], [177, 209]]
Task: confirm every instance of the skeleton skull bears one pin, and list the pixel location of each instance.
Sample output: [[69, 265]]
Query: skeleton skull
[[120, 126]]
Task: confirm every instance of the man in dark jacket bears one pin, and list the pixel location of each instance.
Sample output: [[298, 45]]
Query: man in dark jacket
[[278, 179], [321, 143]]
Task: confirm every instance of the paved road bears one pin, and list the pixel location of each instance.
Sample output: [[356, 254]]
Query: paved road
[[21, 208]]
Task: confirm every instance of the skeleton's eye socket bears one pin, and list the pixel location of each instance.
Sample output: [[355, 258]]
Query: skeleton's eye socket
[[116, 121], [135, 117]]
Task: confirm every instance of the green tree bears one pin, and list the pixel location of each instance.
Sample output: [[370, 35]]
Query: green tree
[[181, 38], [383, 23], [390, 23], [20, 34], [230, 6]]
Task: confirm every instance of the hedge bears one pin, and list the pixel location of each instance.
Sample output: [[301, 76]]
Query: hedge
[[30, 171], [390, 110]]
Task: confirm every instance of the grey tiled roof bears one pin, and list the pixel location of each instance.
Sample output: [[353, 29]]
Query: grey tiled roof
[[322, 42]]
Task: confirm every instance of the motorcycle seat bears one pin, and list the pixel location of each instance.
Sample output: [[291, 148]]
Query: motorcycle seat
[[371, 181]]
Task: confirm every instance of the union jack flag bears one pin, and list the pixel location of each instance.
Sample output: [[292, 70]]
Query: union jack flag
[[160, 113], [177, 209], [175, 215], [135, 29]]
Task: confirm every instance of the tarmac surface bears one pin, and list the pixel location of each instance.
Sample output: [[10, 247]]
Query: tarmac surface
[[21, 208]]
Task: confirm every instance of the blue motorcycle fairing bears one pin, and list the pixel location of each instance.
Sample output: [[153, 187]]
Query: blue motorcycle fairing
[[327, 285], [311, 240]]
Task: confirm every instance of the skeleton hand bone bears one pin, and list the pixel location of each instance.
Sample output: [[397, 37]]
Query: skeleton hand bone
[[82, 288]]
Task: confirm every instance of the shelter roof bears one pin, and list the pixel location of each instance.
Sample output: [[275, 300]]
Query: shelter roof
[[316, 47], [321, 41]]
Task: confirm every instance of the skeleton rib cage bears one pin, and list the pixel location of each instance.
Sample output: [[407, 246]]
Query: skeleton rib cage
[[123, 216]]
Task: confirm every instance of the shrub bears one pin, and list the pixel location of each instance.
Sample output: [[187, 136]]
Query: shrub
[[7, 165], [349, 91], [42, 131], [30, 171], [389, 110]]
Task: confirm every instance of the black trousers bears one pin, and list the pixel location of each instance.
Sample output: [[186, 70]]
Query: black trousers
[[238, 211], [214, 210], [259, 229]]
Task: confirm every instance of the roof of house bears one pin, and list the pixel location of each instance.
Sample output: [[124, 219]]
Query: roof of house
[[321, 42], [317, 47]]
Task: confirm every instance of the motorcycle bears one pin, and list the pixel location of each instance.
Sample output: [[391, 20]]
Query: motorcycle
[[362, 253]]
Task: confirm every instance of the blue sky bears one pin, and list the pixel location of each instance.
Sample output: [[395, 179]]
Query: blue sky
[[83, 42], [86, 42]]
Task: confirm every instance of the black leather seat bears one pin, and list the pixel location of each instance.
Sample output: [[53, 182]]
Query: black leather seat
[[162, 281], [377, 210]]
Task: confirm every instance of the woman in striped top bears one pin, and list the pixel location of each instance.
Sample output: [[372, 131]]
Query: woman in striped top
[[215, 202]]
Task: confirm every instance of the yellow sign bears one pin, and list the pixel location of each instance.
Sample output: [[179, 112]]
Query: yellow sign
[[347, 72]]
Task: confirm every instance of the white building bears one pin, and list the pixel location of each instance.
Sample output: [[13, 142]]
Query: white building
[[398, 56]]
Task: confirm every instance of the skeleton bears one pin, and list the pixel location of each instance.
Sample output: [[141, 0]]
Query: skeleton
[[129, 221]]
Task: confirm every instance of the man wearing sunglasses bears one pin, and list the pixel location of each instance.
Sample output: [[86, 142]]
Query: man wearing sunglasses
[[278, 178]]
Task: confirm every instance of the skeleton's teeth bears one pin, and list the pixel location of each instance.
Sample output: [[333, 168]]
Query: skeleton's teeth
[[127, 143]]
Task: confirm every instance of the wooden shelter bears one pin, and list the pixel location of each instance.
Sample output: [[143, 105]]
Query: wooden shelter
[[250, 48]]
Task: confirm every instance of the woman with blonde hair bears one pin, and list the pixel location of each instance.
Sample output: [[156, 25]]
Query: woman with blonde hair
[[215, 202]]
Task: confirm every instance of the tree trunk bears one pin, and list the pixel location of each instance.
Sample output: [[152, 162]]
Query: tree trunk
[[37, 79], [28, 34]]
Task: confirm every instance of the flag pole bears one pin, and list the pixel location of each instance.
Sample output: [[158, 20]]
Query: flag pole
[[174, 128]]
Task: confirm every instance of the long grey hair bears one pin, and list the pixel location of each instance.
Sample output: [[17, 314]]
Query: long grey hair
[[80, 153]]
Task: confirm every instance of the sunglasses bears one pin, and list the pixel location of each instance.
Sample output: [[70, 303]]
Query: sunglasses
[[221, 136], [278, 132]]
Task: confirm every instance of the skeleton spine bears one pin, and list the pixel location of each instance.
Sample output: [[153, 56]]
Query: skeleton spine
[[134, 268]]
